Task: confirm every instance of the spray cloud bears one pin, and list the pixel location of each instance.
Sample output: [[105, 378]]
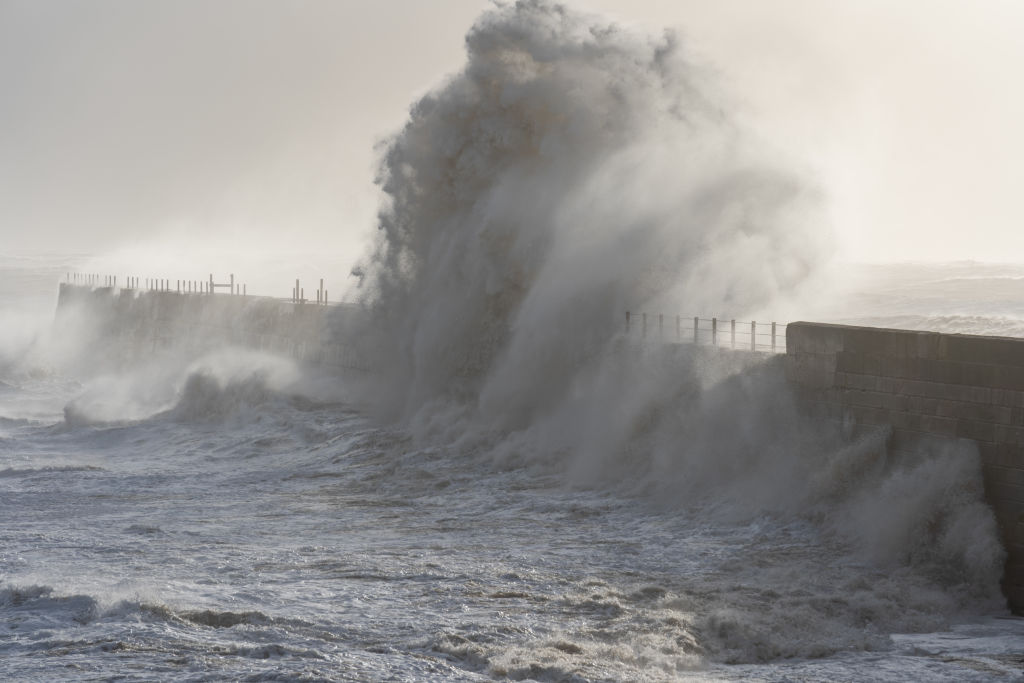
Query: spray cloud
[[571, 171]]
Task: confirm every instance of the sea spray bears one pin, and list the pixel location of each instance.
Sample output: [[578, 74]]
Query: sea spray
[[574, 170], [571, 171]]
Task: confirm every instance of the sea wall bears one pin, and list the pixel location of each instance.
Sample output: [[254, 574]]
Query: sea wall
[[128, 324], [923, 387]]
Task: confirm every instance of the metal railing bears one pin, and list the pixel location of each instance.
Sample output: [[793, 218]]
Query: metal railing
[[205, 286], [768, 337]]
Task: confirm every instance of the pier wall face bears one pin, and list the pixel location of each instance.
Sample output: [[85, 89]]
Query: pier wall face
[[130, 324], [927, 387]]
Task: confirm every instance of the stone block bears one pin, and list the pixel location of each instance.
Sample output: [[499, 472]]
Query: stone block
[[897, 402], [1002, 455], [863, 397], [979, 374], [976, 430], [1005, 433], [1011, 378], [939, 426], [920, 404], [1007, 475], [999, 492], [868, 415]]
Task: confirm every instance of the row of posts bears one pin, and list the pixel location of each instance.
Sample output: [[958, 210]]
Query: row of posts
[[696, 330], [299, 293], [159, 284], [188, 286]]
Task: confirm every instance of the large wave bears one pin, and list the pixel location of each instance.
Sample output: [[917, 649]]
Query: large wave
[[571, 171]]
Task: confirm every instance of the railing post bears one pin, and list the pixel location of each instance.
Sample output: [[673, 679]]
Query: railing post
[[773, 337], [696, 329], [753, 336], [732, 333], [714, 331], [232, 290], [627, 322]]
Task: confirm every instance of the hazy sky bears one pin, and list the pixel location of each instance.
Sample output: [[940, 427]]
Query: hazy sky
[[254, 122]]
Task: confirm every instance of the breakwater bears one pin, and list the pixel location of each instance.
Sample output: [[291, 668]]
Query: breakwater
[[921, 387], [132, 324], [926, 388]]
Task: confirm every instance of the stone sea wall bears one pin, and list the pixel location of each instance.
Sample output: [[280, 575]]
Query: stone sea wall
[[927, 386]]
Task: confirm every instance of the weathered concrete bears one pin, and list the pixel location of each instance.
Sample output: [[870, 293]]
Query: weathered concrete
[[927, 386]]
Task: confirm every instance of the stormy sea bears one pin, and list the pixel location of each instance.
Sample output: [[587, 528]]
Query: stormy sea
[[511, 487]]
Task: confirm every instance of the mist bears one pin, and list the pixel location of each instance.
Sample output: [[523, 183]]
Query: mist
[[189, 127]]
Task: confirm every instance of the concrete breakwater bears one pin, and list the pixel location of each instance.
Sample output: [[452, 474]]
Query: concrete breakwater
[[134, 324], [921, 387], [927, 387]]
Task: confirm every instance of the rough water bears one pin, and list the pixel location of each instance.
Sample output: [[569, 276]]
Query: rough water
[[517, 491], [251, 529]]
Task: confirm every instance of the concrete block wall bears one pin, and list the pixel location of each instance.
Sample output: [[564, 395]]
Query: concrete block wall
[[927, 386]]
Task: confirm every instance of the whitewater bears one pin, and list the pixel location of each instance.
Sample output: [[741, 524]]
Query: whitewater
[[515, 489], [255, 527]]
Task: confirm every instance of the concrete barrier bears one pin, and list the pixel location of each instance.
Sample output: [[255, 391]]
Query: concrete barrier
[[927, 386], [134, 324]]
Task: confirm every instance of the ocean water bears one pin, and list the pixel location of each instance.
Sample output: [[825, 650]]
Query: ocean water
[[235, 516], [516, 491]]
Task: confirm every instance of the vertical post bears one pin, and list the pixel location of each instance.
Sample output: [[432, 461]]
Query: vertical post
[[325, 297], [643, 328], [696, 329], [243, 290], [302, 295], [210, 290], [627, 322], [232, 283], [297, 290], [732, 333], [753, 335], [773, 337], [320, 292], [714, 331]]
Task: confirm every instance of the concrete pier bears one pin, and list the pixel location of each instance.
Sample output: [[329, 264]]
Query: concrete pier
[[927, 387], [134, 324], [921, 387]]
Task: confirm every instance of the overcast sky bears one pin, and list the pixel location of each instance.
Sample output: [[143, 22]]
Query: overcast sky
[[254, 122]]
